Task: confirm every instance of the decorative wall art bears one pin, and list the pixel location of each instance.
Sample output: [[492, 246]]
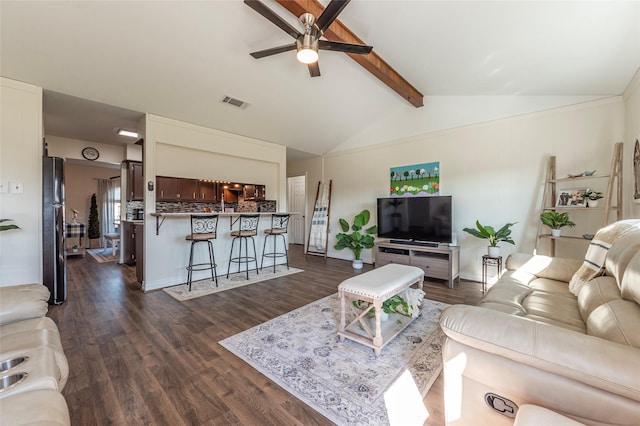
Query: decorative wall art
[[636, 172], [419, 180], [572, 197]]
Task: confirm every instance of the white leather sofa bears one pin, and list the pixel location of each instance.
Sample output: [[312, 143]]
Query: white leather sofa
[[33, 366], [532, 341]]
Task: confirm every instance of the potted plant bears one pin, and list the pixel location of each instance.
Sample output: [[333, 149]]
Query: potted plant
[[555, 221], [592, 197], [488, 232], [356, 240], [9, 226]]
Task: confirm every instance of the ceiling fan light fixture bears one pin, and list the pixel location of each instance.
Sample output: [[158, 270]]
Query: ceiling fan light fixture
[[307, 49]]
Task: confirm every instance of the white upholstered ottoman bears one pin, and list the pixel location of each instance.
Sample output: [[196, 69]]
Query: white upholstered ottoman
[[375, 287]]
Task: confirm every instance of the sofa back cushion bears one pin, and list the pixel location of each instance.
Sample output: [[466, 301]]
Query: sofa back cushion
[[630, 283], [616, 321], [597, 292], [621, 252], [553, 268]]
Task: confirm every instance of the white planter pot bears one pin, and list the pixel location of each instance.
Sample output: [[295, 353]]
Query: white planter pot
[[555, 232], [384, 316], [494, 251], [357, 264], [592, 203]]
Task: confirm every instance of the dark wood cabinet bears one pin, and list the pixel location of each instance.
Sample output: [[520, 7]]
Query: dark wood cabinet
[[128, 246], [261, 192], [230, 196], [249, 192], [187, 189], [139, 252], [167, 188], [208, 191], [135, 181]]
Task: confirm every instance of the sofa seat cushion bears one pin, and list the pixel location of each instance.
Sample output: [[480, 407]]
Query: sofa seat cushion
[[616, 321], [554, 309], [24, 301]]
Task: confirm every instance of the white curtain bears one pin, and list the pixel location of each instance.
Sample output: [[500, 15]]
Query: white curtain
[[108, 196]]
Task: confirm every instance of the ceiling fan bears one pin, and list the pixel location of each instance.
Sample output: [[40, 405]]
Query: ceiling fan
[[308, 42]]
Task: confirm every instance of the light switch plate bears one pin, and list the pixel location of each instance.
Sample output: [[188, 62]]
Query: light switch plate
[[4, 187], [17, 187]]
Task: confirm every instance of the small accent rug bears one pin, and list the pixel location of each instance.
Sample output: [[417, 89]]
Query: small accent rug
[[344, 381], [103, 255], [204, 287]]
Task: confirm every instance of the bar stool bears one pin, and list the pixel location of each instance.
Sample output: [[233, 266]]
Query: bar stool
[[247, 229], [279, 224], [203, 229]]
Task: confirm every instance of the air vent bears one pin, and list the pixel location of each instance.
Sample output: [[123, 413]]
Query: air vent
[[235, 102]]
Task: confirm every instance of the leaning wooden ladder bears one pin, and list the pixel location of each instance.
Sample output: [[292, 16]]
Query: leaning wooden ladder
[[614, 178], [319, 229]]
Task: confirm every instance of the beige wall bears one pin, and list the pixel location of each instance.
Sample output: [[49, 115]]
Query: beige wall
[[67, 148], [21, 162], [632, 109], [494, 171]]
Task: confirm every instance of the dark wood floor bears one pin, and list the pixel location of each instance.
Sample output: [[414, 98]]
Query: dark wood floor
[[147, 359]]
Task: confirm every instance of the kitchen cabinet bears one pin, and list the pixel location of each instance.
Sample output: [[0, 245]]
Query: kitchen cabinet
[[230, 196], [128, 245], [167, 188], [249, 192], [135, 181], [139, 252], [261, 192], [187, 189], [208, 191]]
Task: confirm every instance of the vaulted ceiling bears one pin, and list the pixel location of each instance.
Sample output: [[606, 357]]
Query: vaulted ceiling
[[472, 60]]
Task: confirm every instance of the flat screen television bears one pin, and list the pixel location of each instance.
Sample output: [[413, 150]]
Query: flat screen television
[[415, 219]]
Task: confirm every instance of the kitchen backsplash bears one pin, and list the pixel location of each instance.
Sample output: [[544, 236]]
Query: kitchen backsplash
[[244, 206]]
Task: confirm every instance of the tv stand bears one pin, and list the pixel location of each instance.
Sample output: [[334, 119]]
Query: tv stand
[[436, 262], [415, 243]]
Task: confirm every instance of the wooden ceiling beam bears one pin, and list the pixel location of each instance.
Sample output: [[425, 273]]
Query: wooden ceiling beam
[[371, 62]]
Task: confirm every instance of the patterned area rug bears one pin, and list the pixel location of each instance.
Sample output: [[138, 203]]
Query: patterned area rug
[[344, 381], [104, 255], [204, 287]]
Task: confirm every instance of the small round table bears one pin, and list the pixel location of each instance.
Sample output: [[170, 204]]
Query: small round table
[[490, 261]]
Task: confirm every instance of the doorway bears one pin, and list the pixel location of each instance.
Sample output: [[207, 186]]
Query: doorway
[[297, 201]]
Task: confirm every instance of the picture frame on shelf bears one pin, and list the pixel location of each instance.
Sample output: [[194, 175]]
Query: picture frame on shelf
[[571, 197]]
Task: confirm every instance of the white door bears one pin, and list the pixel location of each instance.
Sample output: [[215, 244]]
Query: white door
[[296, 187]]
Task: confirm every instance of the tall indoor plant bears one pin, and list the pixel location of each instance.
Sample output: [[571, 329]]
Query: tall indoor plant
[[494, 237], [556, 220], [94, 222], [359, 239]]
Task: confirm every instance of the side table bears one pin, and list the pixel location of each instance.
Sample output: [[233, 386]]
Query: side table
[[490, 261], [75, 230]]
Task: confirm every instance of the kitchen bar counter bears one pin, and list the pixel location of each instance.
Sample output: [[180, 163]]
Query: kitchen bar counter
[[167, 252]]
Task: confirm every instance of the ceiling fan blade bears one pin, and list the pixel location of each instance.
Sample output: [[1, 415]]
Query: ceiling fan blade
[[314, 69], [263, 10], [344, 47], [330, 13], [273, 51]]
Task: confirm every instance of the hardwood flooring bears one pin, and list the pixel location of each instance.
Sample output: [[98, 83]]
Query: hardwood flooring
[[146, 359]]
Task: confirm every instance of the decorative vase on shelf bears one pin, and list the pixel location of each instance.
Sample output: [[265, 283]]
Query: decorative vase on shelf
[[592, 203], [555, 232], [494, 251]]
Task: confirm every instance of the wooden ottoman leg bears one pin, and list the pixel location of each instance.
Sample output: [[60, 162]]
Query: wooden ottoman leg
[[343, 308], [377, 339]]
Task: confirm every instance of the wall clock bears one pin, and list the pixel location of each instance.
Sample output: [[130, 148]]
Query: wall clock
[[90, 153]]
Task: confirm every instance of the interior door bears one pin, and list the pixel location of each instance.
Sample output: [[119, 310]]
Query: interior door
[[296, 188]]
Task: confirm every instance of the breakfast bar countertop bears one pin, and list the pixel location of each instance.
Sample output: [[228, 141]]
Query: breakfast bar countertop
[[160, 217]]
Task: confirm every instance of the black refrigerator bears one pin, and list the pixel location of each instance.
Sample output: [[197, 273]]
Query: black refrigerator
[[54, 268]]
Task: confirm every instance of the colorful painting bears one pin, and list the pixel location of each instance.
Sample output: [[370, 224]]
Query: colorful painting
[[420, 180]]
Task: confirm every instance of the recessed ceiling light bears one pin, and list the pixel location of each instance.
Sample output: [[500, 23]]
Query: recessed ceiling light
[[128, 133]]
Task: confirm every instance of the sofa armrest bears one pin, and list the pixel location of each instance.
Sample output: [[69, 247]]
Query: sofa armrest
[[22, 302], [592, 361], [554, 268]]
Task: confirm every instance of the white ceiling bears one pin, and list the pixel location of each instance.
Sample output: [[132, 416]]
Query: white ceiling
[[473, 61]]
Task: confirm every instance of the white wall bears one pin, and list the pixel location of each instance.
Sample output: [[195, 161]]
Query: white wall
[[71, 149], [185, 150], [21, 161], [632, 122], [494, 171]]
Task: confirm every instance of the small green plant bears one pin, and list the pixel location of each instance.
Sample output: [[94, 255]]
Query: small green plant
[[593, 195], [556, 220], [489, 233], [9, 226], [389, 306], [356, 240]]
